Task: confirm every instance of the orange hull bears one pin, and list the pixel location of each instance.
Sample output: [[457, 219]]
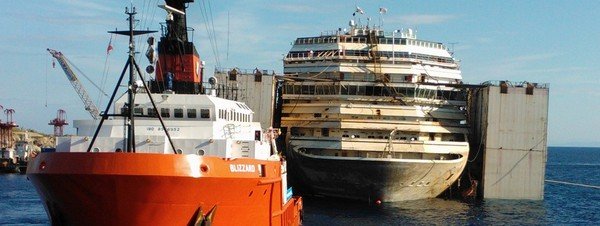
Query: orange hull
[[160, 189]]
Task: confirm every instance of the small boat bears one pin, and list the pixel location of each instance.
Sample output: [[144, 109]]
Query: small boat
[[8, 162], [167, 154]]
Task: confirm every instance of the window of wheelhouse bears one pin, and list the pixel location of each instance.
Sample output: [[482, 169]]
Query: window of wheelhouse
[[124, 110], [191, 113], [151, 112], [138, 111], [204, 113], [220, 113], [257, 135], [164, 112], [178, 113]]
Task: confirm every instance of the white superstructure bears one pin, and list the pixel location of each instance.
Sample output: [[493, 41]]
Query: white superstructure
[[197, 124], [398, 54], [380, 107]]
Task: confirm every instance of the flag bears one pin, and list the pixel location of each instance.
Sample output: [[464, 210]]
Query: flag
[[110, 47], [53, 64], [382, 10]]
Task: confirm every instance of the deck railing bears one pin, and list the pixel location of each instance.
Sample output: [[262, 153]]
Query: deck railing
[[516, 84]]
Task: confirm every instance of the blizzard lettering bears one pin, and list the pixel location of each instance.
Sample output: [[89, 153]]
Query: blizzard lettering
[[242, 168]]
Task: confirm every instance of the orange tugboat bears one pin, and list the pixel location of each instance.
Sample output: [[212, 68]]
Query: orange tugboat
[[203, 162]]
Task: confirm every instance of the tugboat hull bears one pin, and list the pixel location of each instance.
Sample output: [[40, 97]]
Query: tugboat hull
[[372, 179], [160, 189]]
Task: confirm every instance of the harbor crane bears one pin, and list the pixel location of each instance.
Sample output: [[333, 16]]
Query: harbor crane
[[6, 129], [87, 101], [59, 122]]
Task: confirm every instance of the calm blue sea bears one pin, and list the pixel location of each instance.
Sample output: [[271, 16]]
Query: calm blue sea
[[563, 204]]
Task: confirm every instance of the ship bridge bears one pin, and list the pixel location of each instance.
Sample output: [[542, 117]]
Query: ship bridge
[[186, 107]]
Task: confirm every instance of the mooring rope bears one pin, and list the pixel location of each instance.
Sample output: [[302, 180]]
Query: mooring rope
[[575, 184]]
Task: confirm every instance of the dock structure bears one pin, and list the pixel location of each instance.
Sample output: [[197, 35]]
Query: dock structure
[[509, 124], [6, 129], [508, 129], [256, 88]]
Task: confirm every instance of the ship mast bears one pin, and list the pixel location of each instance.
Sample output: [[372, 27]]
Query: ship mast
[[128, 113], [179, 68]]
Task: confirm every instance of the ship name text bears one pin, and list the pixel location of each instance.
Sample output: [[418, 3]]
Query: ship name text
[[242, 168]]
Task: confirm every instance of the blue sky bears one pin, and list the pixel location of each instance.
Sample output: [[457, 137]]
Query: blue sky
[[540, 41]]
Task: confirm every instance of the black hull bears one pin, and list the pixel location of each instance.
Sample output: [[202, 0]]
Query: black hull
[[371, 180]]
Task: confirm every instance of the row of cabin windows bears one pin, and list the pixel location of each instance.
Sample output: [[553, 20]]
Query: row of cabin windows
[[177, 112], [347, 89], [367, 53], [397, 41], [233, 75], [296, 131], [233, 116]]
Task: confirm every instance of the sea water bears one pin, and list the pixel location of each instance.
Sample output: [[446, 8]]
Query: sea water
[[562, 204]]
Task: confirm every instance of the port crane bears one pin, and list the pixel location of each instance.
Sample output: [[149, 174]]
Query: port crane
[[87, 101], [59, 122]]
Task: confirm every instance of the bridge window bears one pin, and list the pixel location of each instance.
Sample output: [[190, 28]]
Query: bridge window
[[257, 135], [151, 112], [165, 112], [124, 110], [204, 113], [178, 113], [138, 111], [191, 113]]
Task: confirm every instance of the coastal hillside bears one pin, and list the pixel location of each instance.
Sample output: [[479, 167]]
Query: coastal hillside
[[36, 138]]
